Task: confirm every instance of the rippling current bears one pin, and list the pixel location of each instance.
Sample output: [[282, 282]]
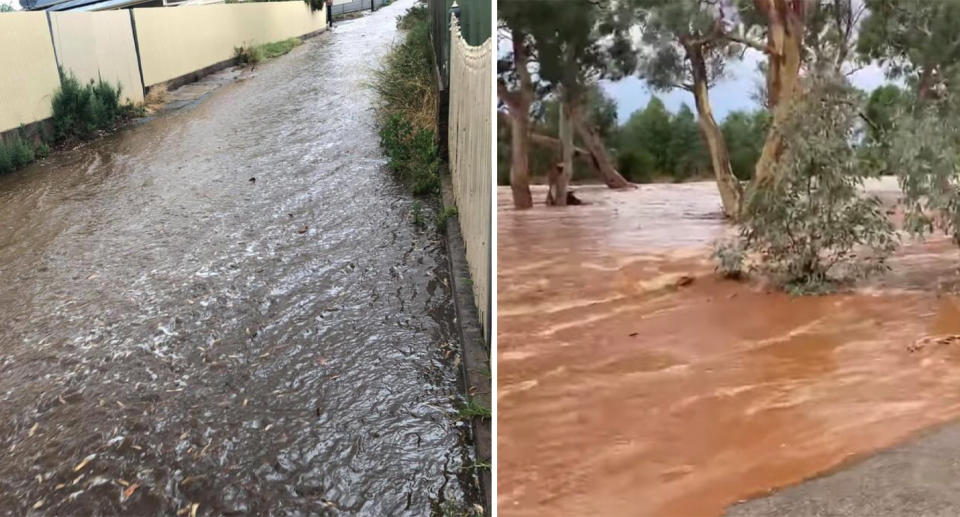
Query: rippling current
[[177, 338]]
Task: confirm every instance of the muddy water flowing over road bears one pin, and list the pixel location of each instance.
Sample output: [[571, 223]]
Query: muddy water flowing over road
[[626, 390], [173, 333]]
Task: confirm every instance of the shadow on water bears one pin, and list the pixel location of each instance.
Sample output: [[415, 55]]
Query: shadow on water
[[175, 334]]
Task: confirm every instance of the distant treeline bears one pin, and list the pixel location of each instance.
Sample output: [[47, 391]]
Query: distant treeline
[[655, 145]]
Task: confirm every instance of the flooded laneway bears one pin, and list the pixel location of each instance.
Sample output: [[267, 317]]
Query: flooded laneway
[[633, 381], [175, 334]]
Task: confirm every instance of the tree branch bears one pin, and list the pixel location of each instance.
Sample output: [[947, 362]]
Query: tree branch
[[756, 45]]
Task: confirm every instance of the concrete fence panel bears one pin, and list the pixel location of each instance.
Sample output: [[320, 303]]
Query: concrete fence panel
[[29, 70], [469, 135], [178, 41], [98, 45]]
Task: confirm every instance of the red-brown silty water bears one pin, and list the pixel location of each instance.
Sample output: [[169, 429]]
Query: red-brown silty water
[[282, 347], [622, 393]]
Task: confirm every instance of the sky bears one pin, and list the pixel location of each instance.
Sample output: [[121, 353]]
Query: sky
[[14, 3], [733, 94]]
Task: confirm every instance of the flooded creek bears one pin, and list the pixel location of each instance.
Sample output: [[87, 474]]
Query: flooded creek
[[625, 388], [229, 310]]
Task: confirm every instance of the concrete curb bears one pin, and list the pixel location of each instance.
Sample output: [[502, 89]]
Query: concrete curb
[[475, 351]]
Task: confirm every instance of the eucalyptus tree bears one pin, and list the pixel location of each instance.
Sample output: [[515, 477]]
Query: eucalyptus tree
[[914, 41], [569, 59], [515, 90], [685, 46]]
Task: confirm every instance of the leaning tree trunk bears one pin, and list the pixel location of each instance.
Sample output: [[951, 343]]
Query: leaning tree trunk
[[560, 179], [731, 193], [598, 153], [785, 26]]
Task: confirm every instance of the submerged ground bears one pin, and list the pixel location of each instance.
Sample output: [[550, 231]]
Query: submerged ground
[[625, 389], [175, 334]]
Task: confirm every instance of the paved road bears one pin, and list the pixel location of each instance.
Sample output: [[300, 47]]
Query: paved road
[[176, 334]]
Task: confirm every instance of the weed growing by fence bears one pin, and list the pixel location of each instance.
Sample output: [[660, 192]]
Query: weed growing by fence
[[407, 112], [79, 110]]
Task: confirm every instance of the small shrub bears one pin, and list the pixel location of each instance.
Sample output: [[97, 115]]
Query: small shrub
[[247, 55], [18, 152], [812, 226], [80, 110], [6, 162], [729, 256]]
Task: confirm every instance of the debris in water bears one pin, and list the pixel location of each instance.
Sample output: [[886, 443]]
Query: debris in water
[[684, 281], [304, 229], [83, 463], [130, 490], [33, 430], [253, 180], [38, 504]]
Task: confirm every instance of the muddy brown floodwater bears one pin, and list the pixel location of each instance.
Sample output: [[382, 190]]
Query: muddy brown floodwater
[[173, 334], [622, 394]]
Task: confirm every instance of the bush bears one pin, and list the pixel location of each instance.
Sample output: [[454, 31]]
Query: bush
[[17, 153], [80, 110], [923, 149], [247, 55], [812, 226]]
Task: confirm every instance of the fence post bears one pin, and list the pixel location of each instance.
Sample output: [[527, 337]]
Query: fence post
[[136, 50], [53, 43]]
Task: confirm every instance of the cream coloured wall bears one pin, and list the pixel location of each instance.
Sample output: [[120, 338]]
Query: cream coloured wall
[[29, 71], [98, 45], [177, 41]]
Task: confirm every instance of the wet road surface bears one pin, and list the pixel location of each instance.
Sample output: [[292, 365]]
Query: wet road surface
[[174, 334], [624, 390]]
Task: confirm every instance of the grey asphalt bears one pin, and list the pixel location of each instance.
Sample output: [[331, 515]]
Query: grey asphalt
[[920, 478]]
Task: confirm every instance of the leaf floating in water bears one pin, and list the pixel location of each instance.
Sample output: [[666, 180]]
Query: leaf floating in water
[[193, 509], [83, 463], [33, 430], [38, 504], [130, 490]]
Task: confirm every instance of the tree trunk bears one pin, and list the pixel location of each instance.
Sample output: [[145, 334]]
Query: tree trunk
[[520, 163], [731, 193], [519, 104], [925, 84], [560, 179], [598, 153], [785, 26]]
